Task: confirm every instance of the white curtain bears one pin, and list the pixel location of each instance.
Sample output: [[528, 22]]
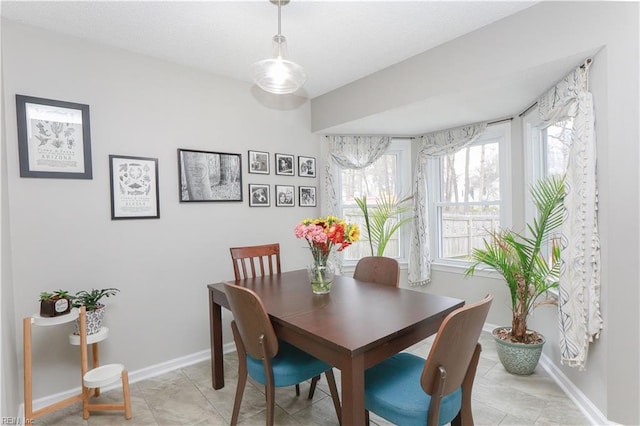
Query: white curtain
[[348, 152], [579, 293], [432, 145]]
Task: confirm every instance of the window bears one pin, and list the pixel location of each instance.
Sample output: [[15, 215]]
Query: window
[[391, 173], [469, 195]]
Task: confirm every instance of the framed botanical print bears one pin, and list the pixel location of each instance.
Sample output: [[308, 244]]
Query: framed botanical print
[[134, 187], [259, 162], [307, 196], [285, 196], [54, 138], [284, 165], [259, 195], [306, 166], [209, 176]]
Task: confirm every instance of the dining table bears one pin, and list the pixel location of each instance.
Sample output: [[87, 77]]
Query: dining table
[[355, 326]]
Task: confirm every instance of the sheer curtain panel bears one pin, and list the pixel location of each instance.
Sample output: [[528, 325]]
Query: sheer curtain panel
[[579, 294]]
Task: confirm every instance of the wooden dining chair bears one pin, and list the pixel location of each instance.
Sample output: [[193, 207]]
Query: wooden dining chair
[[255, 261], [258, 261], [262, 356], [408, 390], [378, 269]]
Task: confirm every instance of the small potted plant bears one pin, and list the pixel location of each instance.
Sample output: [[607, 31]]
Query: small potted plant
[[55, 304], [91, 300]]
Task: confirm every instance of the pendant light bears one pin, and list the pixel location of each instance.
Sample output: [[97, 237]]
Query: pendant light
[[277, 74]]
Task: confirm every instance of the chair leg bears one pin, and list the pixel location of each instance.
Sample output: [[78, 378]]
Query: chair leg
[[297, 389], [242, 381], [333, 389], [312, 389], [271, 403], [126, 395], [366, 418]]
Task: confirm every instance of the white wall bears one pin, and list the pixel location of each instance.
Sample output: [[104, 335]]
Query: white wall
[[61, 232], [546, 34]]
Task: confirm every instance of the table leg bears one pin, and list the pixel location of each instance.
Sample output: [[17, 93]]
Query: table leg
[[215, 328], [352, 379]]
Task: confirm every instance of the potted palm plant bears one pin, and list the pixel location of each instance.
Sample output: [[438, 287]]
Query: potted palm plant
[[92, 301], [382, 221], [530, 266]]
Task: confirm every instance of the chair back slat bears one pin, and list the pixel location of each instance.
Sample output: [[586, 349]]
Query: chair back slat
[[252, 321], [249, 262], [378, 269], [454, 346]]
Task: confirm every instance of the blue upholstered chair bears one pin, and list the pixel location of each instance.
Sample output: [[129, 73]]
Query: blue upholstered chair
[[262, 356], [408, 390]]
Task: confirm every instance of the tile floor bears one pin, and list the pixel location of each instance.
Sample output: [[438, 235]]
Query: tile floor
[[185, 397]]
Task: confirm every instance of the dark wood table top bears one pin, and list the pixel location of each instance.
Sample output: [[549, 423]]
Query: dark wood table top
[[354, 317]]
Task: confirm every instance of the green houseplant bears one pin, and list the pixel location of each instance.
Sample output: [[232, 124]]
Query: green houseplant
[[526, 268], [383, 220], [54, 304], [92, 301]]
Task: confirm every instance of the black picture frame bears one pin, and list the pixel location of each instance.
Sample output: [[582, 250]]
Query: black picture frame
[[259, 195], [307, 196], [134, 187], [306, 166], [285, 196], [284, 164], [258, 162], [54, 138], [207, 176]]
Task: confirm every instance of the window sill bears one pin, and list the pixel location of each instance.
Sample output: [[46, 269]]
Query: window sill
[[461, 267]]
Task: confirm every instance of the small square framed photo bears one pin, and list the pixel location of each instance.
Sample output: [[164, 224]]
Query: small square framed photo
[[285, 196], [284, 165], [259, 162], [306, 166], [259, 195], [307, 196]]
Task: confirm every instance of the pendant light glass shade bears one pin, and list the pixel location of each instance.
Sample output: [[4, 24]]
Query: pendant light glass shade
[[277, 74]]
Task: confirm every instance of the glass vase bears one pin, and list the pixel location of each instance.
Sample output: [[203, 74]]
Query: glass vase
[[321, 277]]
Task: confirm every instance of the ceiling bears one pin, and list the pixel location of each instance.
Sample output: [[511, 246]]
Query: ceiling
[[337, 42]]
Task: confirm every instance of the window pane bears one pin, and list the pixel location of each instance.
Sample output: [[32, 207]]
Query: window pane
[[464, 227], [556, 141], [379, 178], [471, 174]]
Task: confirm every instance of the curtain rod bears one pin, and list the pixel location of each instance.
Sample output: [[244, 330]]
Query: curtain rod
[[528, 109], [499, 121]]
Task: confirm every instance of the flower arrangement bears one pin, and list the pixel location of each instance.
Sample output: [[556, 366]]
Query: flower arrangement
[[325, 233]]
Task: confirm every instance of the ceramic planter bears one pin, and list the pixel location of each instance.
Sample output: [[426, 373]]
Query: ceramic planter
[[518, 358], [54, 307], [94, 321]]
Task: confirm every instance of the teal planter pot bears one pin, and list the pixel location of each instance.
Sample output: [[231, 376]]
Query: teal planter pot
[[518, 358]]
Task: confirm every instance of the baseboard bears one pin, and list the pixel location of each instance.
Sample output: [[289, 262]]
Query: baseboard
[[134, 376], [591, 412]]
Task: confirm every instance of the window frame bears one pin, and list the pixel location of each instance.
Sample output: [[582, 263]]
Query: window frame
[[402, 148], [501, 131]]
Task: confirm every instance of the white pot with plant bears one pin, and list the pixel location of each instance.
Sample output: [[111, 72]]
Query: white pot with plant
[[95, 309], [529, 273]]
